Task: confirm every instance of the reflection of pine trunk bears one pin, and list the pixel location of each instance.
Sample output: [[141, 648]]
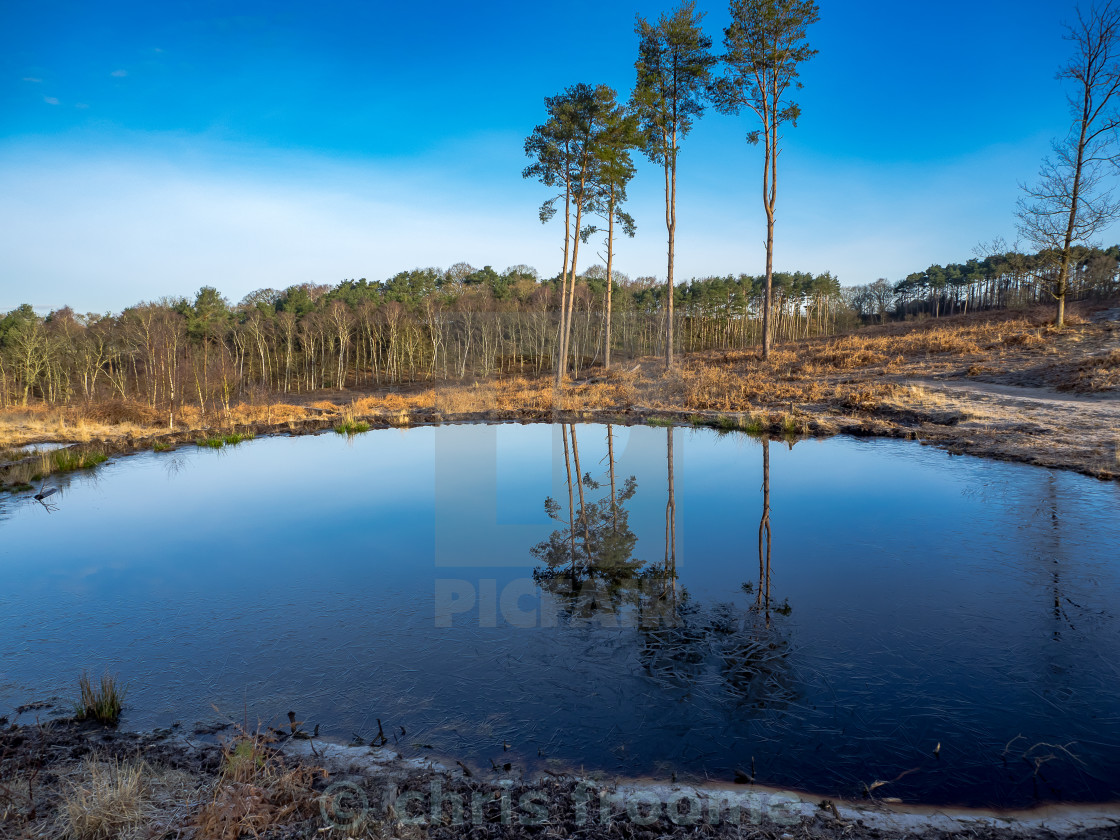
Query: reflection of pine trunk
[[671, 521], [610, 459], [764, 531], [582, 508], [1056, 560], [571, 504]]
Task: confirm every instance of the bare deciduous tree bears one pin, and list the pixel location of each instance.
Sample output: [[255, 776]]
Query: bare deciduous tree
[[1071, 202]]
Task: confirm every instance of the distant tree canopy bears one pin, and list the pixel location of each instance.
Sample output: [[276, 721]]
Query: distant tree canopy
[[430, 324], [427, 324], [995, 281]]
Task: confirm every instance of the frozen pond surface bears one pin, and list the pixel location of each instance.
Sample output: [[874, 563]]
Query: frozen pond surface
[[416, 577]]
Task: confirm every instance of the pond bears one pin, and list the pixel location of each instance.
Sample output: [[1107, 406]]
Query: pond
[[823, 616]]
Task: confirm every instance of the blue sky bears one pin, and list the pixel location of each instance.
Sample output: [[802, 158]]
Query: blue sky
[[147, 149]]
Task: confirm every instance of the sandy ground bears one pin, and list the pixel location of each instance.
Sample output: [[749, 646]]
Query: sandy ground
[[1032, 410], [1035, 425]]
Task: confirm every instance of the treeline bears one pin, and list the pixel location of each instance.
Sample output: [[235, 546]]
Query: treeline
[[425, 325], [996, 281]]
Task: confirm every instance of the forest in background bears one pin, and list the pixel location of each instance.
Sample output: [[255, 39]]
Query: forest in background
[[431, 325]]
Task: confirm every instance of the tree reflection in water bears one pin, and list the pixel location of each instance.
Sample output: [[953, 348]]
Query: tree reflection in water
[[588, 566]]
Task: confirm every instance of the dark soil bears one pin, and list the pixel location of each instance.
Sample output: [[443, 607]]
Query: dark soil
[[356, 798]]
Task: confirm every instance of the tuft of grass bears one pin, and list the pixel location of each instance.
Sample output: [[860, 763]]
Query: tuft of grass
[[67, 460], [160, 446], [791, 425], [658, 421], [257, 790], [750, 423], [100, 703], [727, 423], [211, 442], [111, 799], [753, 426], [352, 427], [234, 438], [244, 758]]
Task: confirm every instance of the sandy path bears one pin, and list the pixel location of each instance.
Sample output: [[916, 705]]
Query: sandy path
[[1106, 405], [1032, 424]]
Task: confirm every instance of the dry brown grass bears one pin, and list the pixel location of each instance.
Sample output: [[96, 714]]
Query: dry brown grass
[[706, 388], [118, 412], [107, 798], [1097, 373], [873, 396], [846, 354], [257, 790], [21, 426], [117, 420]]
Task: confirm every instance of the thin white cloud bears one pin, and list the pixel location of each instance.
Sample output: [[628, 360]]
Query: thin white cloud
[[31, 79], [50, 100], [80, 105], [105, 230], [106, 234], [120, 74]]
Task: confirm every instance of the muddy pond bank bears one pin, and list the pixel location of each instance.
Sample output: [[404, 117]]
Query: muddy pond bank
[[1042, 430], [60, 777]]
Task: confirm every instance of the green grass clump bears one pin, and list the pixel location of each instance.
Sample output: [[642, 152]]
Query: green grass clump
[[218, 441], [244, 758], [160, 446], [658, 421], [750, 423], [20, 487], [791, 425], [753, 426], [352, 427], [65, 460], [100, 703]]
